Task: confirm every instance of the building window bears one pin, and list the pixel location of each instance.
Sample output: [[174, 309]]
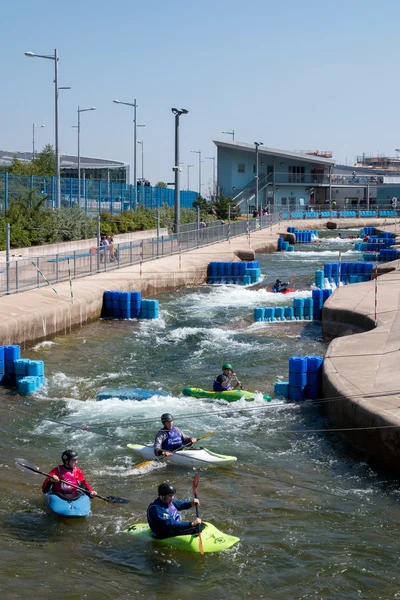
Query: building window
[[254, 167], [283, 201], [296, 174], [241, 168]]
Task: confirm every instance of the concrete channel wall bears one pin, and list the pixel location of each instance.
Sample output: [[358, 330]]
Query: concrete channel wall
[[361, 379]]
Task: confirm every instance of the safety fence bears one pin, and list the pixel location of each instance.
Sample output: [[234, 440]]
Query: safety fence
[[92, 196], [20, 274]]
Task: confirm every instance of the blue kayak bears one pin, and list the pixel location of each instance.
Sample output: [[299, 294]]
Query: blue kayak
[[80, 507]]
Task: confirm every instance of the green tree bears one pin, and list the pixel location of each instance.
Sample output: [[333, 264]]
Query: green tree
[[221, 208], [44, 162], [201, 203], [161, 184]]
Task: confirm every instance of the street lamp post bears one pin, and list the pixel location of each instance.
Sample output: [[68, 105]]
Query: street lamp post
[[141, 143], [200, 161], [257, 144], [232, 133], [56, 89], [80, 110], [214, 188], [33, 137], [176, 168], [134, 105], [188, 168]]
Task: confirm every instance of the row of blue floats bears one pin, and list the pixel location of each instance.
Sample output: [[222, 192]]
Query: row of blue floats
[[239, 273], [27, 375], [303, 309], [385, 255], [128, 305], [303, 236], [284, 246], [305, 379], [355, 272]]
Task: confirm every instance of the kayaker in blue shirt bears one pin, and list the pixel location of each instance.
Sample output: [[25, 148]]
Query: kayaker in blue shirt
[[279, 287], [163, 514], [170, 438], [224, 382]]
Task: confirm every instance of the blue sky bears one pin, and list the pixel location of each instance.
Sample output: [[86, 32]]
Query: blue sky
[[294, 75]]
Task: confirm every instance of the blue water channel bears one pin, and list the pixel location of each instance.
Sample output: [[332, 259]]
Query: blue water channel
[[314, 520]]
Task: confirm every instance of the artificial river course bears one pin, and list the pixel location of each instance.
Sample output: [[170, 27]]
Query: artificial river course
[[361, 374]]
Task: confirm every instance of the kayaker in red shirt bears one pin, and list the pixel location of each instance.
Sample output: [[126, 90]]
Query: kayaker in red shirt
[[67, 472]]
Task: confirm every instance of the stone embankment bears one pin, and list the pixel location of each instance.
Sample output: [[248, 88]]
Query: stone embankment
[[361, 367]]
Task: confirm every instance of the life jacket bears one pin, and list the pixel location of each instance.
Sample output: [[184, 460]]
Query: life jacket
[[217, 387], [64, 489], [173, 441], [174, 512]]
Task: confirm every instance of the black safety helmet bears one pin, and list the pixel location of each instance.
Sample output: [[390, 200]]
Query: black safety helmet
[[166, 488], [166, 418], [68, 455], [278, 281]]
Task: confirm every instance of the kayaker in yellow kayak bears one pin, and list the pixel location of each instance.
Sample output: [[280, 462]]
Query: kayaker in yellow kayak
[[170, 438], [226, 380], [163, 514]]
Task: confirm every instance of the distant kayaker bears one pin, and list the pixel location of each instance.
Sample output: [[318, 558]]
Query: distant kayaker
[[170, 438], [163, 514], [227, 380], [67, 472], [340, 236], [279, 287]]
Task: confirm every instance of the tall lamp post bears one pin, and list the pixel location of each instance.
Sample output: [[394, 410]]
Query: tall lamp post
[[135, 126], [188, 175], [80, 110], [214, 188], [232, 133], [56, 89], [33, 137], [200, 161], [257, 144], [141, 143], [176, 168]]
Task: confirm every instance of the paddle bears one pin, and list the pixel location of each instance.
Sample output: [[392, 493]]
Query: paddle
[[239, 382], [148, 462], [194, 490], [23, 465]]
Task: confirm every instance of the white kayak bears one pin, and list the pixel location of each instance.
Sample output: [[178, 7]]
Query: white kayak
[[194, 457]]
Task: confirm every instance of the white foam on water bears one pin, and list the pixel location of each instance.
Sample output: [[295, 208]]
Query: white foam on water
[[45, 344], [312, 254]]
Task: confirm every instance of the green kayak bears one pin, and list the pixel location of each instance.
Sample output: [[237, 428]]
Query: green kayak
[[229, 395], [213, 539]]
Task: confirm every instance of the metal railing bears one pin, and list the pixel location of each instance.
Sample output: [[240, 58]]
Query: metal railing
[[20, 274]]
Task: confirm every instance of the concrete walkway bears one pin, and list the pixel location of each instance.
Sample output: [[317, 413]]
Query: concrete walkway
[[361, 371]]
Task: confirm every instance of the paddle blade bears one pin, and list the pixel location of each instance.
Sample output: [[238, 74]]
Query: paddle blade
[[143, 464], [195, 484], [24, 465], [115, 499], [201, 544]]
